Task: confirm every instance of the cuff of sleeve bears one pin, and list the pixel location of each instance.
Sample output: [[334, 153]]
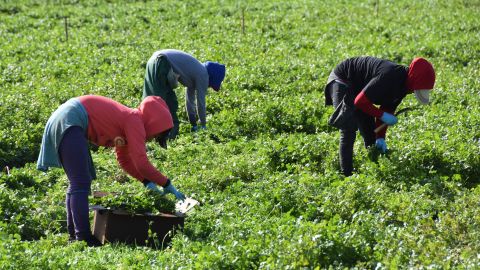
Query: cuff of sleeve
[[161, 182], [167, 183], [364, 104]]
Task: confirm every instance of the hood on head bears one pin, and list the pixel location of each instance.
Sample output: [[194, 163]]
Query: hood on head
[[216, 74], [421, 75], [155, 115]]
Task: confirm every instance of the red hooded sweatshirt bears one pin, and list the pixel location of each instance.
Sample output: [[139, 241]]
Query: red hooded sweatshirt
[[109, 121]]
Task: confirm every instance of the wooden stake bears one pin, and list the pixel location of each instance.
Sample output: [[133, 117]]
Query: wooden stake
[[7, 170]]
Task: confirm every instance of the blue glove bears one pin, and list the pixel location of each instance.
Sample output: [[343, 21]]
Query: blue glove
[[194, 128], [381, 145], [204, 127], [152, 186], [389, 119], [169, 188]]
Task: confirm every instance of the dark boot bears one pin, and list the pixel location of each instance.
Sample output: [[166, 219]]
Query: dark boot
[[91, 241]]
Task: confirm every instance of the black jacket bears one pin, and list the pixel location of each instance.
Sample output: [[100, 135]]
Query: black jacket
[[383, 81]]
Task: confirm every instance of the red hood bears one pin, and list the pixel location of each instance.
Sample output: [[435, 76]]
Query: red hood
[[155, 115], [421, 75]]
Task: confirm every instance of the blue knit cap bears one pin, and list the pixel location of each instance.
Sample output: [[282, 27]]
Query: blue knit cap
[[216, 74]]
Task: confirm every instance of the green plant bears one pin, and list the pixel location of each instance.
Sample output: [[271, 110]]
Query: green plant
[[266, 169], [142, 201]]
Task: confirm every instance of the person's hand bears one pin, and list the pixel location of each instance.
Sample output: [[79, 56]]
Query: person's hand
[[204, 127], [194, 128], [152, 186], [381, 145], [169, 188], [389, 119]]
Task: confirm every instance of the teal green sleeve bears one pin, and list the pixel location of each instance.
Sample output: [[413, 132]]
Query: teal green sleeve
[[156, 83]]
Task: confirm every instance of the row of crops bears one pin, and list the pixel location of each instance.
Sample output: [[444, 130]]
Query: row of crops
[[266, 168]]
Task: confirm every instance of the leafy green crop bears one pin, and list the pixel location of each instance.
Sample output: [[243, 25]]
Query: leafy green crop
[[266, 168], [142, 201]]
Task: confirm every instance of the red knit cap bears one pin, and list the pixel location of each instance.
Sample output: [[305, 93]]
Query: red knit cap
[[421, 75]]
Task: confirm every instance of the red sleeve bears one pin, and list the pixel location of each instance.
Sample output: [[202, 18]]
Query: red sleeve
[[137, 153], [366, 106], [378, 122], [126, 163]]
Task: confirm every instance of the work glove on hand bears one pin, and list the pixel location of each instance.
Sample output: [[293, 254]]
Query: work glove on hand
[[194, 128], [389, 119], [204, 127], [152, 186], [381, 145], [169, 188]]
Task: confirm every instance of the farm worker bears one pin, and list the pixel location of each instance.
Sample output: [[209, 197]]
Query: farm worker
[[166, 68], [107, 123], [356, 84]]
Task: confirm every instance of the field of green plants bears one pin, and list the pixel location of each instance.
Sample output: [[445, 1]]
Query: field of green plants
[[266, 169]]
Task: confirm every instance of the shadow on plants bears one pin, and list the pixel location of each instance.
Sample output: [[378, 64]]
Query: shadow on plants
[[255, 86], [15, 156], [10, 11], [18, 180], [214, 138], [430, 167], [374, 154]]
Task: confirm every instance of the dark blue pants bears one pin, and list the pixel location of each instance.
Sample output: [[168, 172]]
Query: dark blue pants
[[74, 156], [364, 122]]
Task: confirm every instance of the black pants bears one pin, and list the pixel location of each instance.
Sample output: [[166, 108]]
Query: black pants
[[363, 122]]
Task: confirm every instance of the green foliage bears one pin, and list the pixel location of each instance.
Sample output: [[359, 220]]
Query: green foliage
[[142, 201], [266, 169], [31, 203]]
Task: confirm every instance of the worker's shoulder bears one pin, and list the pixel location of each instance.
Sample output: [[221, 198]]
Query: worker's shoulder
[[175, 53]]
